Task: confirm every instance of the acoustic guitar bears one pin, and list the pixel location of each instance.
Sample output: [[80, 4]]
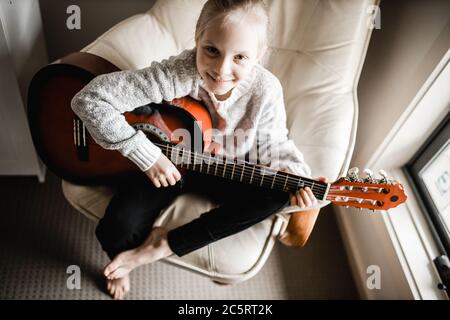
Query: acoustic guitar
[[65, 146]]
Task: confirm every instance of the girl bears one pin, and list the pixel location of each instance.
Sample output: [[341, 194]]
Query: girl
[[223, 72]]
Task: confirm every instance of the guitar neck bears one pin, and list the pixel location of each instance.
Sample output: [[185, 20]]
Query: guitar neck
[[242, 171]]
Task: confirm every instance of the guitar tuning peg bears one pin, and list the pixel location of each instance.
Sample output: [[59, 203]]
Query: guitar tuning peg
[[383, 174], [352, 174], [369, 175]]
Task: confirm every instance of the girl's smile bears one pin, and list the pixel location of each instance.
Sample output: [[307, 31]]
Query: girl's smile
[[220, 80]]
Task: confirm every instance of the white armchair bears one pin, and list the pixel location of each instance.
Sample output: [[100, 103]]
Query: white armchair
[[316, 50]]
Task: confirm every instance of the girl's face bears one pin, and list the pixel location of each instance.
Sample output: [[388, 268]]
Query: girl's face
[[225, 56]]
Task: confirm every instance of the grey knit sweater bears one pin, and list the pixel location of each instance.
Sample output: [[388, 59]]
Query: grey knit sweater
[[255, 108]]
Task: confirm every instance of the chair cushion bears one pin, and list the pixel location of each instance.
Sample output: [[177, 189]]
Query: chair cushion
[[316, 50]]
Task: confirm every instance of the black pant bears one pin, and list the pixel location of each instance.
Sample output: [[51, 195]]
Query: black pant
[[137, 203]]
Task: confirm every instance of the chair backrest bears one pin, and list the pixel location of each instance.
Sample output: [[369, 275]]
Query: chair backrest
[[316, 49]]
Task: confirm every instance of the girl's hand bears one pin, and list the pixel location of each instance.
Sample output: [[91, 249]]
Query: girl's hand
[[163, 172], [304, 197]]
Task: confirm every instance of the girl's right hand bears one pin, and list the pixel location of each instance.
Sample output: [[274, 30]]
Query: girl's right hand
[[163, 172]]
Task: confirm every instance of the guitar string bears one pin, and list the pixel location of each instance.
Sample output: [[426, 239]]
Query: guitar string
[[331, 196], [332, 189], [364, 201], [338, 188], [351, 197], [292, 183], [268, 181], [226, 169]]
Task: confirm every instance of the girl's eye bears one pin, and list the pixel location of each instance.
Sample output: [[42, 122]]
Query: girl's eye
[[240, 58], [211, 50]]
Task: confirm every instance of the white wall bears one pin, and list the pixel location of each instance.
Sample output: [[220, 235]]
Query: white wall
[[22, 52], [414, 36], [22, 23], [97, 16]]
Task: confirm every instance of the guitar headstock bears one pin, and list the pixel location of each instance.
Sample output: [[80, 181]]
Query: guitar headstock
[[366, 192]]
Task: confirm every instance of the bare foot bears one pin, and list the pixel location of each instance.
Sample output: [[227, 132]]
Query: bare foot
[[153, 249], [118, 288]]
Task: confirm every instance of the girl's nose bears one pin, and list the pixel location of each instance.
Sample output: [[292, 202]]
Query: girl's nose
[[223, 67]]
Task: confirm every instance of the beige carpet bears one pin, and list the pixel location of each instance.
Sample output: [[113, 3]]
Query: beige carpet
[[41, 235]]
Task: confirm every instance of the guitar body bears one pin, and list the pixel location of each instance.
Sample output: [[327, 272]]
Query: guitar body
[[64, 144]]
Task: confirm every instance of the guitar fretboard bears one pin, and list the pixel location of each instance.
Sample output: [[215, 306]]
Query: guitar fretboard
[[241, 171]]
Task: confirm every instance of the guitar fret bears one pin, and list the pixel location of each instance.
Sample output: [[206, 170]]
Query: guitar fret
[[242, 173], [215, 171], [262, 178], [223, 172], [285, 181], [189, 163], [273, 181], [194, 160], [187, 160], [253, 170], [209, 162]]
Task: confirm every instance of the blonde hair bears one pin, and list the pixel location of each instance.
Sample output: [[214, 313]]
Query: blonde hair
[[234, 11]]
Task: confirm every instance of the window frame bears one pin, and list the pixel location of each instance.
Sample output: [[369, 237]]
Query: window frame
[[434, 143], [405, 247]]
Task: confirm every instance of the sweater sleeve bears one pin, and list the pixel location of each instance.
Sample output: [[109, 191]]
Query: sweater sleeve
[[274, 145], [102, 102]]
